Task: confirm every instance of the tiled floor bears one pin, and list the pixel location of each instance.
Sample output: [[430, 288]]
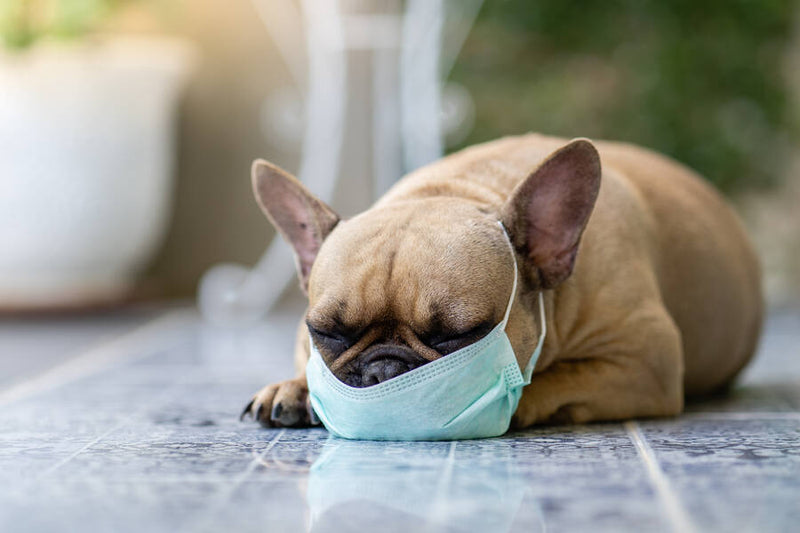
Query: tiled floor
[[140, 433]]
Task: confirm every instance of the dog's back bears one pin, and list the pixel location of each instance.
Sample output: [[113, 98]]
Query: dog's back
[[650, 209], [707, 270]]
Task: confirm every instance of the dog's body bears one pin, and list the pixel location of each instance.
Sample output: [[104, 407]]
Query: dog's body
[[662, 299]]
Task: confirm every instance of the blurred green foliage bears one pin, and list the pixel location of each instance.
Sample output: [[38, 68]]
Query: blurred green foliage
[[702, 81], [23, 22]]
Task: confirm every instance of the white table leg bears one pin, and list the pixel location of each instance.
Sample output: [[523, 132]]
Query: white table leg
[[232, 294]]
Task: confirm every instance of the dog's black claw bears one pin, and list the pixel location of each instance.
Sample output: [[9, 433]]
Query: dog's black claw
[[277, 409], [246, 410], [258, 412]]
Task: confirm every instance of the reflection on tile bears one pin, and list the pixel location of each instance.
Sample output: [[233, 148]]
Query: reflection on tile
[[428, 486], [154, 444], [28, 347], [486, 485], [752, 398]]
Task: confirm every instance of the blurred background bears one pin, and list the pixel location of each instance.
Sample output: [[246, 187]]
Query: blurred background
[[127, 128]]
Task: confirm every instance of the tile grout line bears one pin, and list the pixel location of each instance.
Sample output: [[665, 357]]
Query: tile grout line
[[450, 464], [222, 499], [127, 421], [76, 453], [445, 480], [678, 517], [257, 460], [94, 359]]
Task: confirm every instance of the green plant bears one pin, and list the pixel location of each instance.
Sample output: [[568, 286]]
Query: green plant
[[23, 22], [702, 81]]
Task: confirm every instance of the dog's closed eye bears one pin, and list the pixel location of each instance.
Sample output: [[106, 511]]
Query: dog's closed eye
[[333, 341], [449, 342]]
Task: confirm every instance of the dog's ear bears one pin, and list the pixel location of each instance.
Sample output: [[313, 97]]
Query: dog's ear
[[547, 213], [300, 217]]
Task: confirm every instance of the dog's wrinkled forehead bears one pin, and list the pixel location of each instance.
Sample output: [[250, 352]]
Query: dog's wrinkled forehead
[[413, 264]]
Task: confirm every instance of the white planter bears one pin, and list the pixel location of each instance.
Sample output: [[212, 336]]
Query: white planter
[[86, 158]]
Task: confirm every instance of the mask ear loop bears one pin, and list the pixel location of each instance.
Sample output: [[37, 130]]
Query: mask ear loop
[[542, 321], [542, 335], [516, 275]]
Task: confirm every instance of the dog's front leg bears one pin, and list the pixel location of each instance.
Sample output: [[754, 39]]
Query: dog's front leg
[[637, 371], [286, 404]]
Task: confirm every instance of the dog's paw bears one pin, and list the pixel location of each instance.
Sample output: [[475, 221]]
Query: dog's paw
[[284, 404], [526, 415]]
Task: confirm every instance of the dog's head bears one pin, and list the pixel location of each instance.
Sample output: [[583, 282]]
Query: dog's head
[[409, 282]]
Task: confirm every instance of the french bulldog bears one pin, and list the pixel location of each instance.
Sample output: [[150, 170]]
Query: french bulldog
[[651, 288]]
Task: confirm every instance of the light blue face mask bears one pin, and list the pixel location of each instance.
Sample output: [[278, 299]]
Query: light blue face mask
[[471, 393]]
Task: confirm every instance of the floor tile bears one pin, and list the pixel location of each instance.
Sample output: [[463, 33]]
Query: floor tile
[[152, 442], [30, 346], [732, 475]]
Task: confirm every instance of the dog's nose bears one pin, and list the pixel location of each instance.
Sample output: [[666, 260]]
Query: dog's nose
[[382, 362], [383, 370]]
